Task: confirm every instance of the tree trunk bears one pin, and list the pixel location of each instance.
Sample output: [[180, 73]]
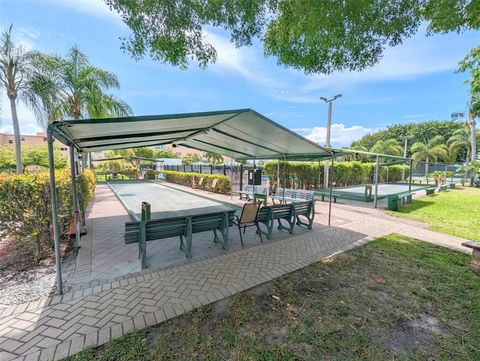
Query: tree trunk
[[473, 142], [426, 169], [38, 248], [473, 136], [16, 132]]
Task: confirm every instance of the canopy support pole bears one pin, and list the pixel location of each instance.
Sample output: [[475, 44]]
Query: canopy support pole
[[331, 193], [284, 177], [76, 214], [56, 230], [377, 168], [410, 176], [253, 181]]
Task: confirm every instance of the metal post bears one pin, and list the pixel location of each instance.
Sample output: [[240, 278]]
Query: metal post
[[410, 176], [284, 177], [329, 126], [241, 176], [331, 193], [56, 230], [76, 214], [375, 196], [254, 173], [404, 156], [224, 169]]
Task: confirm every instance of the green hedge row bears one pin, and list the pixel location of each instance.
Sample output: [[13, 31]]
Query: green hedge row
[[305, 174], [25, 207], [187, 178]]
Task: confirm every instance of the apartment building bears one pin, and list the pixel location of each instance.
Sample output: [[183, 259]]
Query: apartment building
[[30, 141]]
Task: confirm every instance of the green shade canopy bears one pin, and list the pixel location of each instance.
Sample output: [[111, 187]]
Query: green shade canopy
[[238, 134]]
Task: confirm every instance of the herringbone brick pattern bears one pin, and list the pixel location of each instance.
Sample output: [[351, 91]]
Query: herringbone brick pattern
[[91, 316]]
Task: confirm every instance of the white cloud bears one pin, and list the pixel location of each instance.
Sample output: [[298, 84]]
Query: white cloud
[[96, 8], [26, 119], [244, 62], [341, 135], [418, 56], [29, 32]]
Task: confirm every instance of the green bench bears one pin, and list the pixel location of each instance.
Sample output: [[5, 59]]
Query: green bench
[[286, 213], [183, 227], [430, 191], [405, 198], [443, 188], [453, 185]]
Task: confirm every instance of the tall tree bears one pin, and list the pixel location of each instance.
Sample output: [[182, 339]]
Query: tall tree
[[72, 88], [471, 63], [432, 151], [16, 69], [460, 139], [214, 158], [314, 36], [389, 146]]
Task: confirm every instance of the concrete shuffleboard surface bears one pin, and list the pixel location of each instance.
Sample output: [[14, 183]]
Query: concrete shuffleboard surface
[[165, 202]]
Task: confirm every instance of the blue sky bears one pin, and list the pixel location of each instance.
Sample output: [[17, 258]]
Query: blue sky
[[414, 82]]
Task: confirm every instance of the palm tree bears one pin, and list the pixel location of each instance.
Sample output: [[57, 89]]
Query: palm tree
[[16, 69], [473, 112], [214, 158], [72, 88], [389, 146], [353, 156], [433, 150], [460, 139]]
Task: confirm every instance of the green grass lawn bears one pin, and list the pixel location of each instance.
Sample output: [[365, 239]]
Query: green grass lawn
[[456, 212], [394, 298]]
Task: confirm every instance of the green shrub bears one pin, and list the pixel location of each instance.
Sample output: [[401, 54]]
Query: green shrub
[[187, 178], [305, 174], [25, 206]]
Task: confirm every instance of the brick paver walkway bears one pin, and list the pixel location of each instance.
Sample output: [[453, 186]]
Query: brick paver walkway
[[91, 316]]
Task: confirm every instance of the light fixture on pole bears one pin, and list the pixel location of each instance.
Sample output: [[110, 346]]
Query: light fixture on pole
[[329, 128]]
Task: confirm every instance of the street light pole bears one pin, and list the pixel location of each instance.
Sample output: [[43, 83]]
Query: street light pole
[[329, 129]]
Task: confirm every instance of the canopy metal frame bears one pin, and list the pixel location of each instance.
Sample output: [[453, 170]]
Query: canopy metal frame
[[237, 134]]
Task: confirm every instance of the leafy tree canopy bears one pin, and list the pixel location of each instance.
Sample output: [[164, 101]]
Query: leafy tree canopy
[[314, 36], [416, 132], [190, 158], [37, 156]]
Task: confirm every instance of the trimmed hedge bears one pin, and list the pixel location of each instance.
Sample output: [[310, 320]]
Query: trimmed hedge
[[25, 206], [187, 178], [305, 174]]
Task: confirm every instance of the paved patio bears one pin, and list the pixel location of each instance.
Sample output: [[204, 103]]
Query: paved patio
[[111, 297]]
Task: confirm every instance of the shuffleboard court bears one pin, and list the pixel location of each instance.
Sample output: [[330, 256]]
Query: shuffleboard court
[[165, 202], [360, 193]]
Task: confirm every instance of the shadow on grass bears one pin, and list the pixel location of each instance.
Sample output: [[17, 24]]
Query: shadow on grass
[[417, 204]]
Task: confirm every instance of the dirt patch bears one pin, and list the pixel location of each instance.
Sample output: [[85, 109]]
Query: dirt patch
[[277, 336], [220, 308], [261, 290], [412, 336]]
